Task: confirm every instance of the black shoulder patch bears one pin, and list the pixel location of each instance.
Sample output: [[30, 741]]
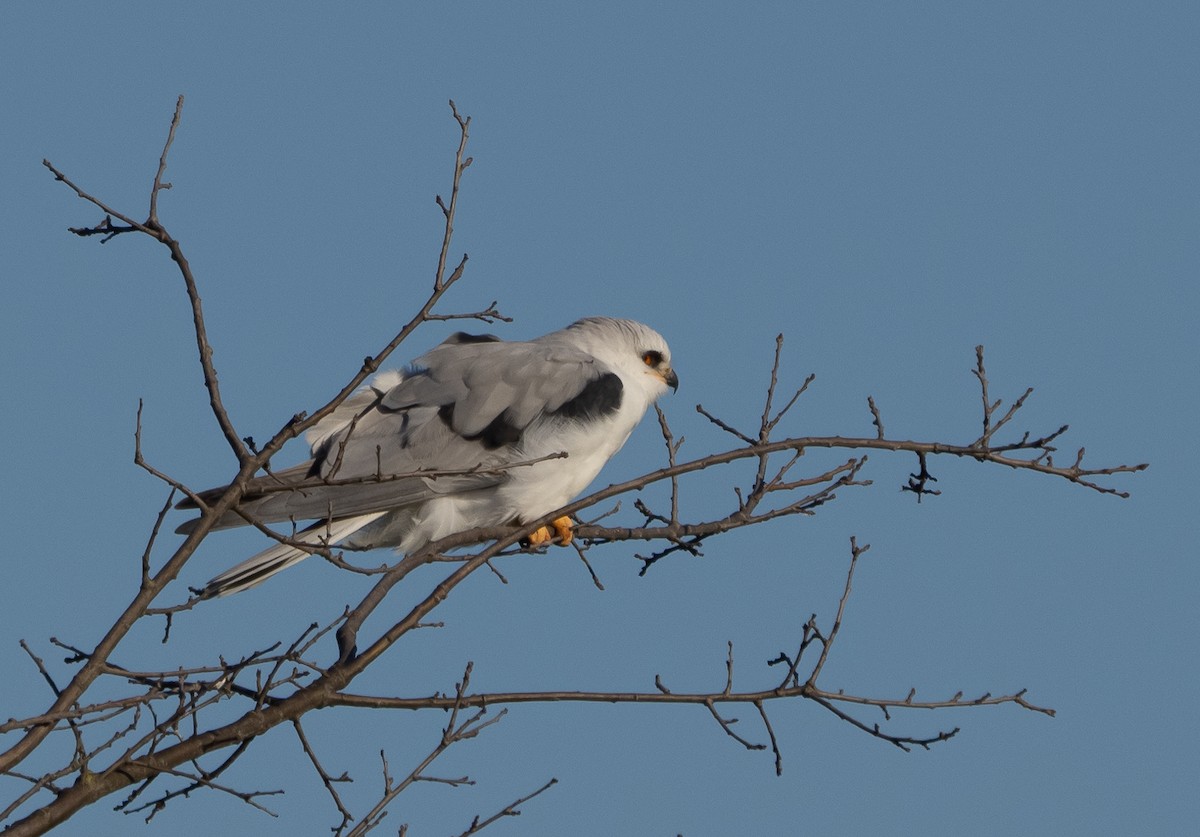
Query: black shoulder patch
[[496, 435], [599, 398], [499, 433], [460, 337]]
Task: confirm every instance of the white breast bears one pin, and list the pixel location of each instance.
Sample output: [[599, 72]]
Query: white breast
[[539, 489]]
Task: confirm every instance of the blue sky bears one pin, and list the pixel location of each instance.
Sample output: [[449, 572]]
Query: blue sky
[[886, 184]]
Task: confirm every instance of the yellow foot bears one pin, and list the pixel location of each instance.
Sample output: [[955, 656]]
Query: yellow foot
[[560, 528]]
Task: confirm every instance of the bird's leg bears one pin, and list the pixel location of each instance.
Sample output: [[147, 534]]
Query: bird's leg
[[561, 528]]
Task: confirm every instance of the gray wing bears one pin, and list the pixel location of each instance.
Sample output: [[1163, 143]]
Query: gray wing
[[462, 407]]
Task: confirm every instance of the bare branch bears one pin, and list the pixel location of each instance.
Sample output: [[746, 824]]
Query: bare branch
[[162, 728], [489, 315], [159, 185], [876, 419], [509, 810], [453, 733], [727, 725], [855, 553], [326, 779], [762, 713], [248, 463]]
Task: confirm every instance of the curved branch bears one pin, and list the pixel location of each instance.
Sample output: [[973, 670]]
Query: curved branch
[[248, 464], [286, 685]]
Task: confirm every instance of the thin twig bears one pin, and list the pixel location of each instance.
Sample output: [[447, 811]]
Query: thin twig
[[509, 810]]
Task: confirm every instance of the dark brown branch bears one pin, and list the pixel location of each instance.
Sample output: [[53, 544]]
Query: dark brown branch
[[806, 690], [918, 483], [904, 742], [103, 711], [727, 725], [159, 185], [249, 464], [106, 226], [855, 553], [876, 419], [509, 810], [453, 733], [200, 779], [282, 687], [482, 699], [326, 779], [489, 315], [460, 165]]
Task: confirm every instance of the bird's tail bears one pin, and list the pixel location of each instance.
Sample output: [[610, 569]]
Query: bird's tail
[[258, 568]]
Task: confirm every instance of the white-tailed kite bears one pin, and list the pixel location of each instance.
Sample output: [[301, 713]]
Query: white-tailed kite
[[468, 413]]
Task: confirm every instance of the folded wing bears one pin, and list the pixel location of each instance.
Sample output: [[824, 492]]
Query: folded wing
[[451, 423]]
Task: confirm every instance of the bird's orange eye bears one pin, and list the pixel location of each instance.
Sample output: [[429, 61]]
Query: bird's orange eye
[[652, 358]]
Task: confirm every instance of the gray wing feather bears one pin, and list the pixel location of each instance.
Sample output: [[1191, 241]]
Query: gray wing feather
[[430, 420], [533, 381]]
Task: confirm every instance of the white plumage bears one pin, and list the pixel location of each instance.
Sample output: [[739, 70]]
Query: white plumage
[[422, 454]]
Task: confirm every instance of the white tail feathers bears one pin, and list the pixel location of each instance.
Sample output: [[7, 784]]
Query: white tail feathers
[[258, 568]]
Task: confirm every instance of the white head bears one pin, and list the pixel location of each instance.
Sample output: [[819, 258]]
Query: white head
[[636, 352]]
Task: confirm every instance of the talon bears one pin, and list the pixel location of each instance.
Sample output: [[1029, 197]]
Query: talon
[[538, 537], [562, 529]]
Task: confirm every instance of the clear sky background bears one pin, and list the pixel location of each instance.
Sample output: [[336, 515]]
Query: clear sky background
[[888, 184]]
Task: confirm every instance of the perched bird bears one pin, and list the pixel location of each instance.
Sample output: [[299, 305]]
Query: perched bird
[[439, 448]]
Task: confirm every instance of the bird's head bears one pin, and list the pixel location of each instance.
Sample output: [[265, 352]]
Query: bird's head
[[637, 352]]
